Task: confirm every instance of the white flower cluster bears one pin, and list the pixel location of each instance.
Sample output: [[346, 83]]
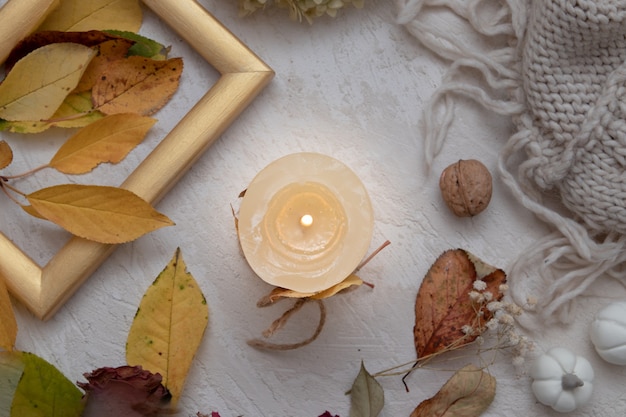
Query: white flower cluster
[[298, 9], [501, 322]]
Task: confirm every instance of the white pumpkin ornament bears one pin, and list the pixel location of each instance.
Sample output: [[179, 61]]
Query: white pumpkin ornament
[[562, 380], [608, 333]]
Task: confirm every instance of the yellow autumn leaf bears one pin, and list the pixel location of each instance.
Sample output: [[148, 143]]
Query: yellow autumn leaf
[[6, 154], [8, 325], [83, 15], [352, 280], [40, 82], [107, 140], [136, 85], [168, 326], [99, 213]]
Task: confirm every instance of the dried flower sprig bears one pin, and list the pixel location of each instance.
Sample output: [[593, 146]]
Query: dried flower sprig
[[298, 9]]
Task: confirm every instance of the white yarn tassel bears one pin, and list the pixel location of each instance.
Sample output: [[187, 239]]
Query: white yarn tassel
[[493, 66], [566, 99]]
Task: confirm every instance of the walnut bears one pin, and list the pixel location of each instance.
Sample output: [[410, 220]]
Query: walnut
[[466, 187]]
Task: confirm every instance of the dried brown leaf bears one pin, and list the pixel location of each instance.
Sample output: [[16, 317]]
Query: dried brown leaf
[[99, 213], [136, 85], [467, 393], [107, 140], [107, 52], [443, 306]]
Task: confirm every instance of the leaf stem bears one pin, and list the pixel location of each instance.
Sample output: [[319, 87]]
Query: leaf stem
[[6, 187], [24, 174]]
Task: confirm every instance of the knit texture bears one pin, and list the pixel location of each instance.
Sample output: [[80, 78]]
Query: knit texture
[[558, 71]]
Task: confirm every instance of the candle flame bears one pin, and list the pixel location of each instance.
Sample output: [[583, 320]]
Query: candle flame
[[306, 220]]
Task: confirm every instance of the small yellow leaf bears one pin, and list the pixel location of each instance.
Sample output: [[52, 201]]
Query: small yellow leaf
[[99, 213], [168, 326], [279, 293], [6, 154], [136, 85], [8, 325], [83, 15], [346, 283], [39, 82], [107, 140]]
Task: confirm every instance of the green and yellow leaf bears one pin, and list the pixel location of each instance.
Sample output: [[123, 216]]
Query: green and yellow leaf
[[11, 370], [137, 85], [42, 390], [99, 213], [8, 325], [168, 326], [82, 15], [107, 140], [76, 111], [39, 83]]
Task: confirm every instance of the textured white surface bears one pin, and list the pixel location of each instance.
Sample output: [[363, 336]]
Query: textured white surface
[[351, 88]]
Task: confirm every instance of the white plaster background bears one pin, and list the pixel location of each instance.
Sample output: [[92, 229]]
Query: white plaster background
[[352, 88]]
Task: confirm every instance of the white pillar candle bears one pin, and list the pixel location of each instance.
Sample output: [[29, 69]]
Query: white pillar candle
[[305, 222]]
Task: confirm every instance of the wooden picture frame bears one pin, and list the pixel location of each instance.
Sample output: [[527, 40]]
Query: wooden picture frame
[[242, 77]]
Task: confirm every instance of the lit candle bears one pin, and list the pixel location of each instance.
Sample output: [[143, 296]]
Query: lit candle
[[305, 222]]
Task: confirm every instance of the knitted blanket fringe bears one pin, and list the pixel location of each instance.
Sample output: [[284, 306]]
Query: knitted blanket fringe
[[579, 250]]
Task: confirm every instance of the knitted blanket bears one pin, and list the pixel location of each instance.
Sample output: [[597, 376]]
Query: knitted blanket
[[558, 69]]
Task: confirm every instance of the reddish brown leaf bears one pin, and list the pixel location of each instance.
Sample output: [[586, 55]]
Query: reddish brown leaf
[[39, 39], [136, 85], [443, 306]]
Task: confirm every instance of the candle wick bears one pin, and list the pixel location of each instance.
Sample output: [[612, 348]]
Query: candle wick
[[306, 220]]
